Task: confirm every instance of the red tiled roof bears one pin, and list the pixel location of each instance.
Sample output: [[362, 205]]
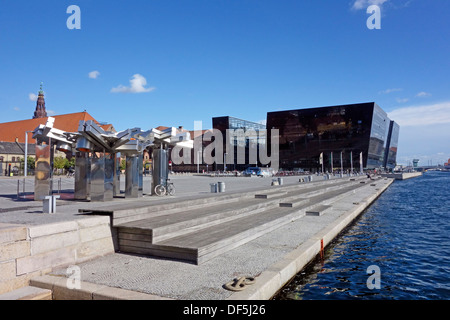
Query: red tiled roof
[[9, 131]]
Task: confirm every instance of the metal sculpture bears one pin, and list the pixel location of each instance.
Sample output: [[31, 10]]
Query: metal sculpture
[[97, 158]]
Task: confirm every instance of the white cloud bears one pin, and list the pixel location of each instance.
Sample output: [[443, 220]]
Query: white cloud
[[94, 74], [137, 85], [402, 100], [33, 97], [387, 91], [423, 94], [433, 114], [16, 109], [364, 4], [50, 112]]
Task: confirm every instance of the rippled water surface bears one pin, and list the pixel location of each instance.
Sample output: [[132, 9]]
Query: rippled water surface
[[405, 233]]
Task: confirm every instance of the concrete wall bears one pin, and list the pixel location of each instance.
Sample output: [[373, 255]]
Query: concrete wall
[[30, 251], [402, 176]]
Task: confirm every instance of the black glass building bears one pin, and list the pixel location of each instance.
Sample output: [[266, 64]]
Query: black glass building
[[241, 135], [339, 135]]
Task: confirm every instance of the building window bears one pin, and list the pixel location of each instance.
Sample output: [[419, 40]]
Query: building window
[[13, 159], [1, 159]]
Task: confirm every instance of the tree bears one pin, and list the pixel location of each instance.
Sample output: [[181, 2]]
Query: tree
[[31, 162], [60, 162], [70, 163]]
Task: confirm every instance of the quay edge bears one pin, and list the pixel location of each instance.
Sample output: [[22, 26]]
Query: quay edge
[[280, 273]]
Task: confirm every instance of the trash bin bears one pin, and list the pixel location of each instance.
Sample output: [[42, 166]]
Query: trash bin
[[213, 187], [280, 181], [221, 186]]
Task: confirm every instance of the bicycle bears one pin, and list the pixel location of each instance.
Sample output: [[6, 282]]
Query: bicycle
[[165, 189]]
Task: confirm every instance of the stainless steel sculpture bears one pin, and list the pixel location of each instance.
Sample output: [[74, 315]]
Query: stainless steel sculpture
[[97, 158]]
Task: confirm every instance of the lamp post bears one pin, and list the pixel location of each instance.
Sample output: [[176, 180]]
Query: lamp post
[[351, 162], [225, 162], [25, 162], [198, 161], [331, 157]]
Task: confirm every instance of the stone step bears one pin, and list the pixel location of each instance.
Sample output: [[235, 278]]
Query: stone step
[[295, 203], [130, 211], [318, 210], [201, 245], [27, 293], [163, 227]]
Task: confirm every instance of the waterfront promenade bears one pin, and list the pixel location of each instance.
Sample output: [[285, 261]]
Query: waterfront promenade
[[39, 247]]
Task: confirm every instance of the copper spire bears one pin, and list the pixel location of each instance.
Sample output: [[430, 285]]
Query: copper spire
[[40, 105]]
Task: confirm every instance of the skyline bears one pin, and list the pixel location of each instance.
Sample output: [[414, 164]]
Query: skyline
[[147, 63]]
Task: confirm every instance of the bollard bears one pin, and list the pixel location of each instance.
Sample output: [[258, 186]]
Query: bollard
[[49, 204], [221, 186], [213, 187]]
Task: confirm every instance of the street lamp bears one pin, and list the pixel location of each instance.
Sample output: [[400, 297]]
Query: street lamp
[[198, 161], [25, 162], [225, 162], [351, 162]]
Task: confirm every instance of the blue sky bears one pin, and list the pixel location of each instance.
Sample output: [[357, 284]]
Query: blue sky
[[145, 63]]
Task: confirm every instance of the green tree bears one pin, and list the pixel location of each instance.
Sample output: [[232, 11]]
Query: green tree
[[123, 164], [31, 162], [60, 162], [70, 163]]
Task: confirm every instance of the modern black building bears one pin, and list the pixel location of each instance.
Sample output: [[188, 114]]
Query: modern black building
[[337, 136], [244, 136]]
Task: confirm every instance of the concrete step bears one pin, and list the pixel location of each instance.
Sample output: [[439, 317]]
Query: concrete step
[[199, 247], [163, 227], [203, 244], [131, 211], [294, 203], [27, 293], [318, 210]]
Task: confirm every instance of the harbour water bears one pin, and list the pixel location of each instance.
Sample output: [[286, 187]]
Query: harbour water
[[398, 249]]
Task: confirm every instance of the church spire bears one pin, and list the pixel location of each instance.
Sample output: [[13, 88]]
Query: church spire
[[40, 105]]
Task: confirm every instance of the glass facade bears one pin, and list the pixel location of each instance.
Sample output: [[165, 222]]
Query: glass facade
[[378, 138], [391, 155], [244, 137], [339, 133]]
